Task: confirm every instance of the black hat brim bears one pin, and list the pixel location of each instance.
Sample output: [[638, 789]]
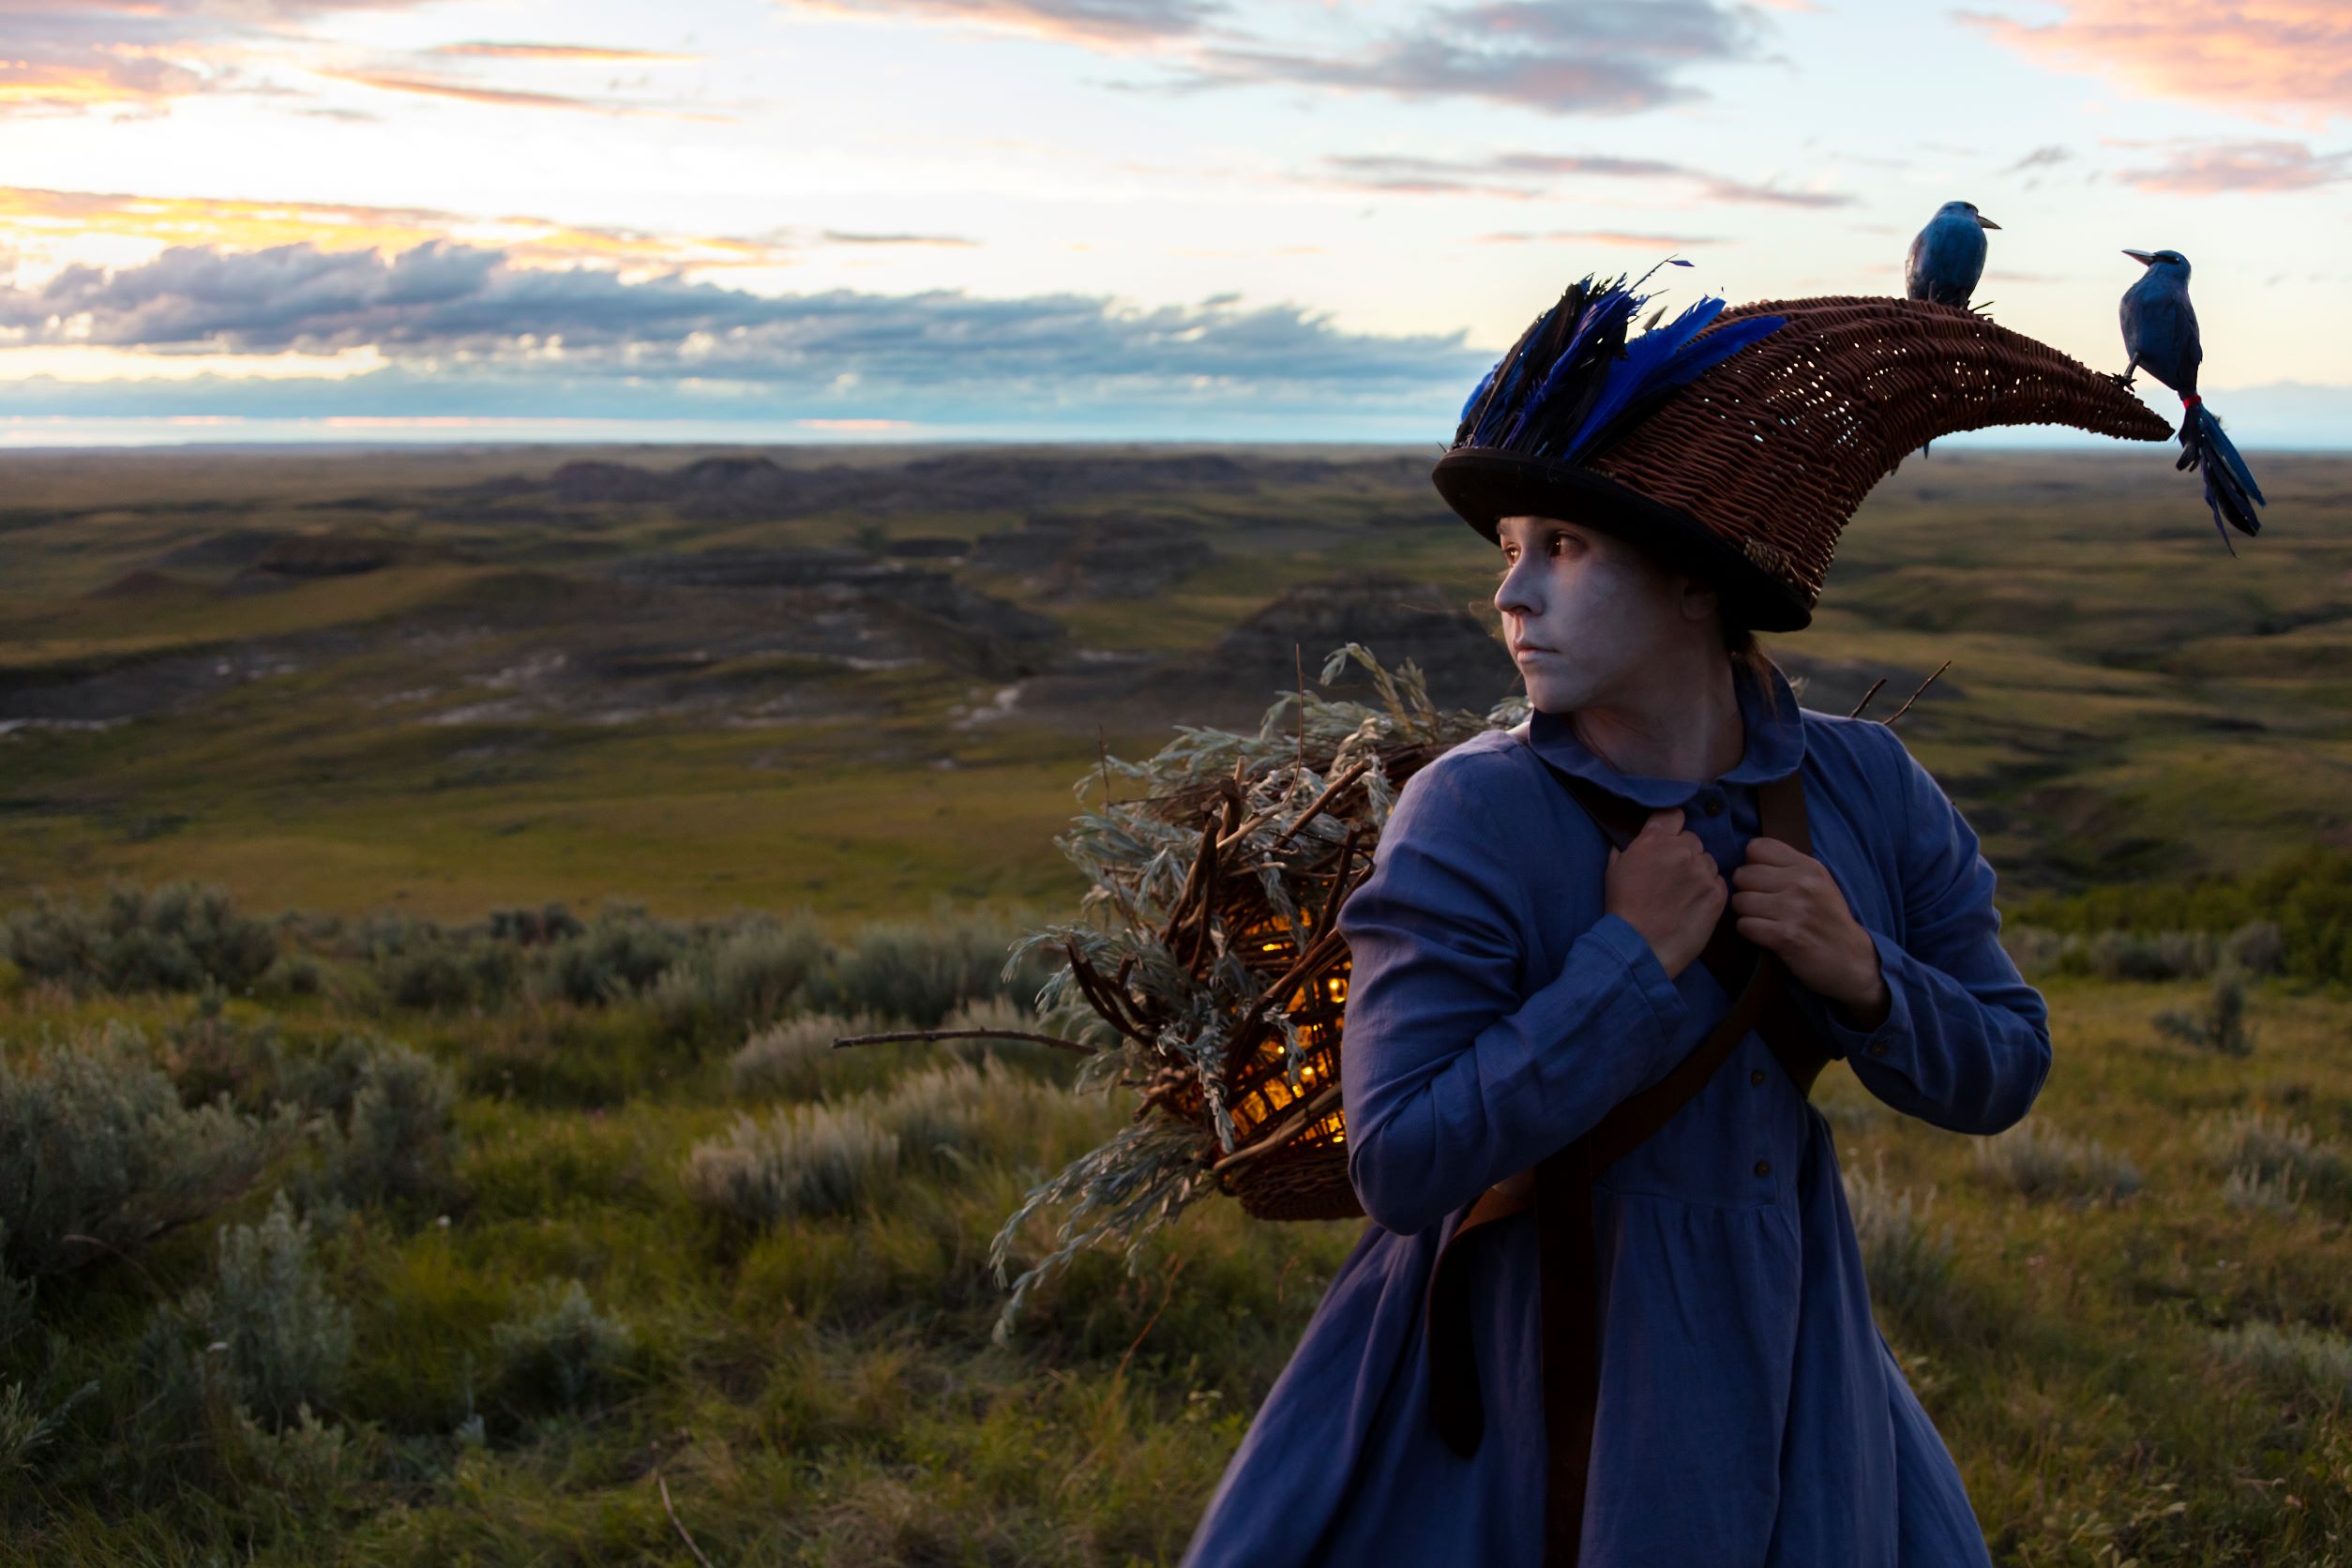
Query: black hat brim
[[1484, 485]]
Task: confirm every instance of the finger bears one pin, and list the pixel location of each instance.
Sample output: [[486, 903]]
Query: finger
[[1772, 935], [1775, 879], [1663, 824], [1772, 852]]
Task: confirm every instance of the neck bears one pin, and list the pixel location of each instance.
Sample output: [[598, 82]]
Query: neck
[[1679, 718]]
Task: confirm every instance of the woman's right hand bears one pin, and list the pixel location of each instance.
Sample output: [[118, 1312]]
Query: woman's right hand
[[1665, 885]]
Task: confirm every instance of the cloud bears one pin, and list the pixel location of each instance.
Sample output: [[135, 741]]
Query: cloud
[[487, 336], [561, 52], [72, 56], [1605, 236], [954, 242], [33, 221], [1531, 174], [440, 87], [1114, 25], [2287, 57], [508, 98], [2041, 157], [1558, 56], [2227, 168]]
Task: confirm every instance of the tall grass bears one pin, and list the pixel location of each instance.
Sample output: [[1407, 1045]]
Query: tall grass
[[765, 1278]]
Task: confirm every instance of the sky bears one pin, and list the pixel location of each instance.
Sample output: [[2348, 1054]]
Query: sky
[[1176, 220]]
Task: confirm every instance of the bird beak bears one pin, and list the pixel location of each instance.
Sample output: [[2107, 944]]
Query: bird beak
[[2143, 257], [1984, 223]]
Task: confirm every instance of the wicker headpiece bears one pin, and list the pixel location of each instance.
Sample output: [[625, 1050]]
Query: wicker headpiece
[[1736, 444]]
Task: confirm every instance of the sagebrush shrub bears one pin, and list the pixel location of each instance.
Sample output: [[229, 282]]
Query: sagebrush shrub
[[805, 1160], [95, 1143], [622, 952], [447, 975], [758, 971], [180, 937], [959, 1107], [2220, 1025], [2270, 1191], [924, 971], [789, 1057], [2274, 1154], [2257, 947], [741, 977], [1910, 1268], [564, 1353], [26, 1427], [2038, 1161], [550, 922], [2036, 950], [396, 1140], [2306, 1365], [286, 1341], [2149, 954]]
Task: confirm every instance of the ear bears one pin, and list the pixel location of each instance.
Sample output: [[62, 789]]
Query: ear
[[1700, 600]]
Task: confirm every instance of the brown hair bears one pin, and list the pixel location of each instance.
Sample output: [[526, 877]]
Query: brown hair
[[1748, 654]]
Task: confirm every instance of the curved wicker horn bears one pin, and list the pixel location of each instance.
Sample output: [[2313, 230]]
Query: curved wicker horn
[[1774, 449]]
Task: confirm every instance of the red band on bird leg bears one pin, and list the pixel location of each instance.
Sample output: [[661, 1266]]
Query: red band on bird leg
[[2190, 400]]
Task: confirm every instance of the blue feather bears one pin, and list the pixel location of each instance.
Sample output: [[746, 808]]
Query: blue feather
[[1608, 310], [1646, 359], [1477, 392], [1500, 408], [2228, 450], [1566, 383]]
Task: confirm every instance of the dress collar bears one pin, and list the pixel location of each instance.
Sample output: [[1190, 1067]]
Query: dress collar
[[1775, 748]]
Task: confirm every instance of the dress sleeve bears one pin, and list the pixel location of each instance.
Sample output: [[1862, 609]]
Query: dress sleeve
[[1454, 1076], [1966, 1041]]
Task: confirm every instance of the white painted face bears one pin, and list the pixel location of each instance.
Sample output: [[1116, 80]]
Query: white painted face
[[1592, 620]]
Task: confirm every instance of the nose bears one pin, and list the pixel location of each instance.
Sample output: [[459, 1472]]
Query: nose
[[1520, 591]]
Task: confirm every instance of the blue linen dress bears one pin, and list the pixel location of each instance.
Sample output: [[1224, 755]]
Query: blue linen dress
[[1750, 1413]]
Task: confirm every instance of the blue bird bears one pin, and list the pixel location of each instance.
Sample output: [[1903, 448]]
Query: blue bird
[[1948, 256], [2160, 333]]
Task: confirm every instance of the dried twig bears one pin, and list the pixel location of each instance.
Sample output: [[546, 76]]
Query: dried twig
[[1166, 1294], [1340, 869], [1192, 880], [1915, 696], [666, 1507], [1298, 767], [1866, 697], [1100, 997], [1329, 792], [1079, 1046]]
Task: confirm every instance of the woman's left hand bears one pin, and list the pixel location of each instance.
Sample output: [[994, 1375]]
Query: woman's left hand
[[1786, 902]]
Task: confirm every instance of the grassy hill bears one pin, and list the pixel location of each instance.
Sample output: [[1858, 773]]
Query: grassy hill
[[446, 680]]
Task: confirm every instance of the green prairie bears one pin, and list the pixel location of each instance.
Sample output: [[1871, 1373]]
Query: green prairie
[[752, 727]]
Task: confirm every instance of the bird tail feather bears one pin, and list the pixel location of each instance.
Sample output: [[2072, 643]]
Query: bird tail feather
[[2230, 490]]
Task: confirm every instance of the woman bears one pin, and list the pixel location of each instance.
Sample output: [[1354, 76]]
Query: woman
[[1515, 978]]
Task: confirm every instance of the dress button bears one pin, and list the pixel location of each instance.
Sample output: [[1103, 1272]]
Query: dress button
[[1711, 805], [1877, 1048], [1763, 1168], [1757, 1077]]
